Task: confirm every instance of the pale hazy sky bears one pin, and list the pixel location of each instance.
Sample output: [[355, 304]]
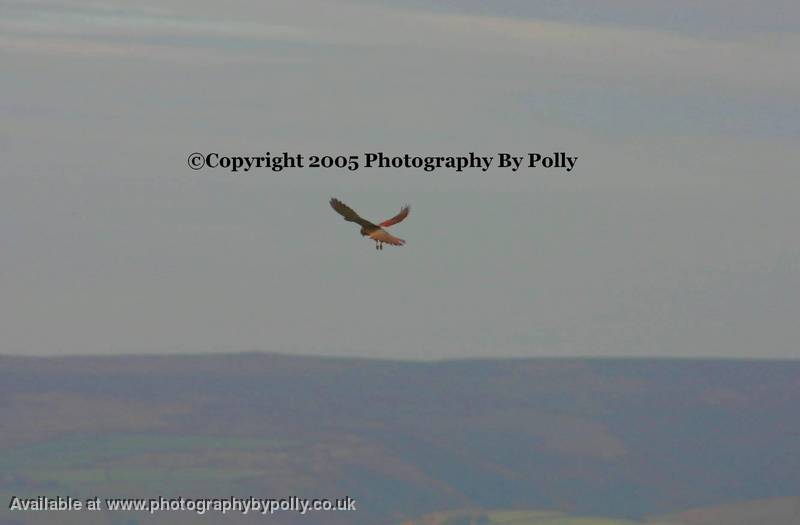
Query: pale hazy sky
[[676, 235]]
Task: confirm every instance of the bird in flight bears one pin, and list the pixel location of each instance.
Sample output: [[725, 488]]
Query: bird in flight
[[376, 232]]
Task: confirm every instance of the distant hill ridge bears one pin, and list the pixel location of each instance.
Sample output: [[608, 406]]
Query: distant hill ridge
[[623, 438]]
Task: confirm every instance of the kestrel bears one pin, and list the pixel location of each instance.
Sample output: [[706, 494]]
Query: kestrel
[[376, 232]]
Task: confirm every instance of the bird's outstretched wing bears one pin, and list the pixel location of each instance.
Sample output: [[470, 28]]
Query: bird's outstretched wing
[[397, 218], [349, 215]]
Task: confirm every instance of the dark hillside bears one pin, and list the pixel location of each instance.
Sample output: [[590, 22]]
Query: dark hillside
[[619, 438]]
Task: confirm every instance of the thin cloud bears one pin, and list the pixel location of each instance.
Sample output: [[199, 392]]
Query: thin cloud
[[642, 58]]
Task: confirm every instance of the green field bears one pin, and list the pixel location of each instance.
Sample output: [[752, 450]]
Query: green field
[[547, 518], [516, 517]]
